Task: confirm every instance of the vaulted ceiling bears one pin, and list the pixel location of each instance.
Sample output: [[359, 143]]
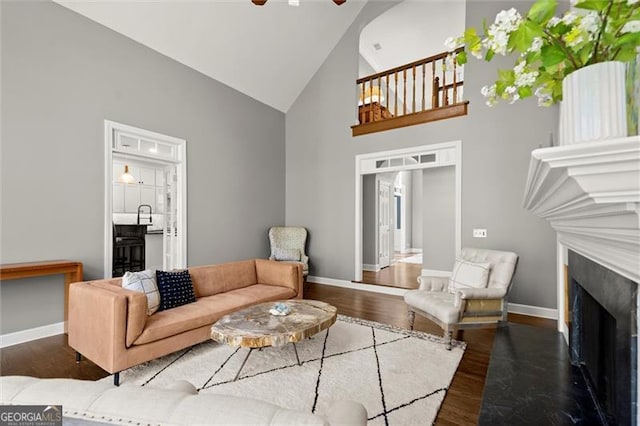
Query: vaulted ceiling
[[268, 52]]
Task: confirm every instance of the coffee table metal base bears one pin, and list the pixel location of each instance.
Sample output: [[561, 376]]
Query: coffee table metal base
[[295, 349]]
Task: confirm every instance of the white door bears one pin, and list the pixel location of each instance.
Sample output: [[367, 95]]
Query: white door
[[171, 235], [384, 223]]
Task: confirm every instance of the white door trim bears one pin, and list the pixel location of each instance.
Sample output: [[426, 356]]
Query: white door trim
[[180, 158], [446, 154]]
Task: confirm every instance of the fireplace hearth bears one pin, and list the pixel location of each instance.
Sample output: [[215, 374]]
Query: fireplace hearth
[[603, 337]]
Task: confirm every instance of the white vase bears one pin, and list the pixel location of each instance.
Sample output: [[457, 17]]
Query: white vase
[[593, 104]]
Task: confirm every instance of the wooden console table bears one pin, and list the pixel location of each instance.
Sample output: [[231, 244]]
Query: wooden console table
[[72, 273]]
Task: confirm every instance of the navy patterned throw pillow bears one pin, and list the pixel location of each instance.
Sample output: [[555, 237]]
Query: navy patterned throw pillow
[[176, 289]]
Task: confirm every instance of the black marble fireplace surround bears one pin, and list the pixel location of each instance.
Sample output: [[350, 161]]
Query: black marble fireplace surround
[[603, 337]]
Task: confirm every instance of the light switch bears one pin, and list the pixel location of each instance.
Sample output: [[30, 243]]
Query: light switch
[[479, 233]]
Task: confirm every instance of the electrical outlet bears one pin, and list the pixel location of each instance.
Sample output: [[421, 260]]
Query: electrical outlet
[[479, 233]]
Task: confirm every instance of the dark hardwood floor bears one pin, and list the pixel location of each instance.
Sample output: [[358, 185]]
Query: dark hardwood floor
[[52, 357], [400, 275]]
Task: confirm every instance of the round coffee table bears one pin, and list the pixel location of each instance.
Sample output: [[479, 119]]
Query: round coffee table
[[254, 327]]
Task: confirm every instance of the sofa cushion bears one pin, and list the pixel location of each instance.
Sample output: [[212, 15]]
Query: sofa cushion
[[176, 289], [259, 293], [178, 320], [214, 279], [144, 282], [279, 253], [439, 304], [207, 310], [239, 274], [207, 280], [467, 274]]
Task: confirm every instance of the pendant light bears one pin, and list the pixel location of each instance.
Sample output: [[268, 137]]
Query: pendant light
[[126, 177]]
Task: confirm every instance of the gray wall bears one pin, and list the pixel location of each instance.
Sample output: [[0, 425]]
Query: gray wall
[[496, 148], [62, 75], [406, 179], [438, 225]]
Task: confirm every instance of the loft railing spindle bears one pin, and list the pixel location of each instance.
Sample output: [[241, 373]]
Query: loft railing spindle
[[413, 74], [371, 117], [455, 81], [445, 95], [395, 81], [424, 65], [404, 91], [435, 88], [387, 91], [362, 113], [379, 97]]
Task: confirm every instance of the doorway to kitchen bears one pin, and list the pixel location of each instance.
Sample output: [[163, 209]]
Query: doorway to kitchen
[[145, 200]]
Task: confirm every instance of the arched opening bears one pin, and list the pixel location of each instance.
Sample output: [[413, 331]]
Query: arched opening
[[405, 70]]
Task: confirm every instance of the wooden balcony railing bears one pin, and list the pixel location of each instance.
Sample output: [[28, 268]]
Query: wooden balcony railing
[[426, 90]]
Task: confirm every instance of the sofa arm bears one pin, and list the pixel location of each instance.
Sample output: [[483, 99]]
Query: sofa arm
[[487, 298], [98, 323], [283, 274], [481, 293], [428, 283], [347, 413]]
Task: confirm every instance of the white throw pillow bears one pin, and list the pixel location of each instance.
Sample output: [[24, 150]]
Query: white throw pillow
[[144, 282], [286, 254], [468, 274]]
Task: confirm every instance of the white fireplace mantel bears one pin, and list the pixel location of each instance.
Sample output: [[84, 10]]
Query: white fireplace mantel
[[590, 193]]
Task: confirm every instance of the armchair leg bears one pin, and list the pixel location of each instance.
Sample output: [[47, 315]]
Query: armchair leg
[[448, 335], [78, 357], [411, 316], [116, 379]]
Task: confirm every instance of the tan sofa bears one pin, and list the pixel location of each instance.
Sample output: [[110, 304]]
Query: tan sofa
[[101, 403], [109, 325]]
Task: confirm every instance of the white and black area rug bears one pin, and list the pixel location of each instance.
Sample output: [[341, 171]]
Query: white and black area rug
[[400, 376]]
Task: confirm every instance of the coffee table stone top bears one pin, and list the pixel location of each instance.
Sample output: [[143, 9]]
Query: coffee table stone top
[[255, 327]]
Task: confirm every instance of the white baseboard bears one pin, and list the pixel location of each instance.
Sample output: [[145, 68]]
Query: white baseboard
[[414, 250], [436, 273], [23, 336], [371, 268], [357, 286], [534, 311], [516, 308]]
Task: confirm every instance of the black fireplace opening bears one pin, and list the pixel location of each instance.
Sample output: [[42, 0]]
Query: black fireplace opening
[[596, 353], [603, 337]]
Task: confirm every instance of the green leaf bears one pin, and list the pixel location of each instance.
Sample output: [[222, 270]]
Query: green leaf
[[626, 54], [471, 35], [525, 92], [522, 38], [489, 55], [551, 55], [508, 76], [542, 11], [627, 39], [597, 5], [461, 58]]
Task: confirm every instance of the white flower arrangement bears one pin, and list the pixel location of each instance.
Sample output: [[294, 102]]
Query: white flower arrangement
[[550, 47]]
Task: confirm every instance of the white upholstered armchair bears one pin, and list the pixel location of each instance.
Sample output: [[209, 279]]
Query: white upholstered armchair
[[474, 296], [288, 245]]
